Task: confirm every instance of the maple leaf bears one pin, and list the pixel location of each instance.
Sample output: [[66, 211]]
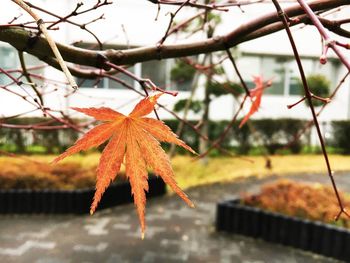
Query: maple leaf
[[134, 138], [255, 95]]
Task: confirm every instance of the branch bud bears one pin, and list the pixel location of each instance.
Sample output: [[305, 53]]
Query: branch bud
[[323, 59]]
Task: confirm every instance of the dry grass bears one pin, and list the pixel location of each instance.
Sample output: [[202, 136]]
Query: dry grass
[[191, 173]]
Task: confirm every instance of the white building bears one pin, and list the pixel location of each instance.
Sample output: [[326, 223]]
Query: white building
[[132, 22]]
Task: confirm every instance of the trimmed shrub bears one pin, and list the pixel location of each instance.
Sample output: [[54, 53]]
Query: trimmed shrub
[[309, 201], [40, 141], [274, 134], [320, 86], [341, 135]]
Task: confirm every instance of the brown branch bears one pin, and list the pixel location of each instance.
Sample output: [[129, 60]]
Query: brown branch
[[190, 4], [308, 95], [329, 42], [334, 26], [260, 26]]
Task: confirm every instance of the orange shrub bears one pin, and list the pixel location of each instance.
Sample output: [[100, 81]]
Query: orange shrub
[[310, 201], [22, 174]]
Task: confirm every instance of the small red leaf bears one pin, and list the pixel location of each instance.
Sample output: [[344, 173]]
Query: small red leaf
[[255, 95]]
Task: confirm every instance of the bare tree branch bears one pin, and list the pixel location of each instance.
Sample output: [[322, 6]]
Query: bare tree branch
[[23, 40]]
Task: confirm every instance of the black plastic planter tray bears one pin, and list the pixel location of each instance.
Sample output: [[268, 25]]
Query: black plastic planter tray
[[70, 201], [317, 237]]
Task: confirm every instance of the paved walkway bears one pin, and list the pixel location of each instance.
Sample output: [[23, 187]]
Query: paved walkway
[[175, 233]]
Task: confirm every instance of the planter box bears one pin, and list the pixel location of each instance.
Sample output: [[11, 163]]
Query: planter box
[[23, 201], [317, 237]]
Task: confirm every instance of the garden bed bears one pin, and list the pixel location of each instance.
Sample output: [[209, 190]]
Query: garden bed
[[76, 201], [291, 214], [317, 237]]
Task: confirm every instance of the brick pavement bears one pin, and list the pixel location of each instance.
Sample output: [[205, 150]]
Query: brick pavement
[[175, 233]]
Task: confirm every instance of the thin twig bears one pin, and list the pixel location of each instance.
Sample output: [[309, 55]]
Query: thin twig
[[66, 19], [28, 77], [244, 85], [308, 125], [225, 132], [191, 4], [323, 32], [247, 92], [51, 42], [172, 16], [308, 96], [186, 109]]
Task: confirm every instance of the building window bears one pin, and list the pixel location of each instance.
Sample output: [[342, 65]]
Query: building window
[[106, 83], [90, 83], [9, 61], [182, 74], [249, 66], [155, 71], [111, 84], [274, 69]]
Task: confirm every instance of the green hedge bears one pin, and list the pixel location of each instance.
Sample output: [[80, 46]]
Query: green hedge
[[273, 134], [35, 141], [341, 136]]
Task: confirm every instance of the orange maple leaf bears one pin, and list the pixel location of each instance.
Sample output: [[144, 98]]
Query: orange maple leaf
[[255, 95], [133, 137]]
